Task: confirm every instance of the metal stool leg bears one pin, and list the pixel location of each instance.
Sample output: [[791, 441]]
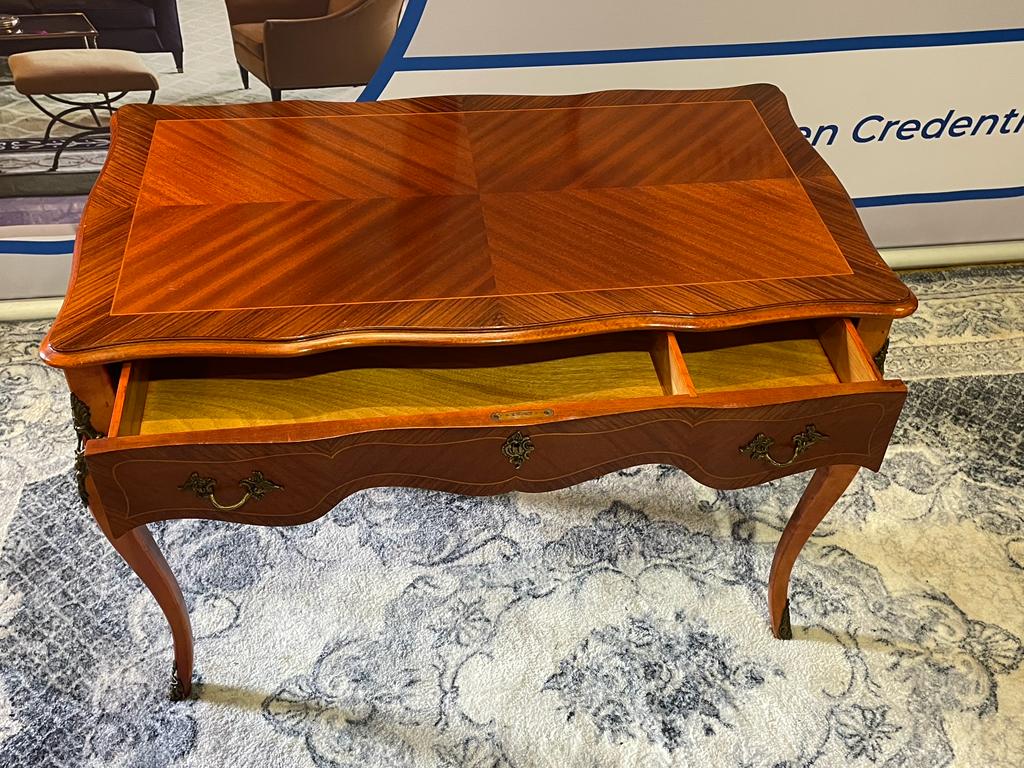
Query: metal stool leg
[[71, 140], [84, 131]]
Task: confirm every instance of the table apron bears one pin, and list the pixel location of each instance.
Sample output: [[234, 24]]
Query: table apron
[[306, 479]]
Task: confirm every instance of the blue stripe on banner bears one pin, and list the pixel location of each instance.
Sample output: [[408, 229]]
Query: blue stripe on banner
[[684, 52], [939, 197], [37, 247], [396, 51]]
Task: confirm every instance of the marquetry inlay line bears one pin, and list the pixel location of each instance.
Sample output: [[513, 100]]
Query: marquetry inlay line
[[679, 402], [797, 176], [384, 479], [631, 459], [467, 298]]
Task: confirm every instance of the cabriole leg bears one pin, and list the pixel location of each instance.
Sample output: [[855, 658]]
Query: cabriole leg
[[92, 396], [144, 557], [826, 486]]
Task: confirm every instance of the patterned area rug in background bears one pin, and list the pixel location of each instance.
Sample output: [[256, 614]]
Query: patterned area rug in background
[[210, 77], [618, 623]]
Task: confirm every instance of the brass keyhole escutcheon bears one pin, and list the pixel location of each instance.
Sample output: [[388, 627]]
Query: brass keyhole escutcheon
[[517, 448]]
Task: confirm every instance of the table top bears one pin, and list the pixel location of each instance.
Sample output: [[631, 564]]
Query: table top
[[290, 228], [36, 25]]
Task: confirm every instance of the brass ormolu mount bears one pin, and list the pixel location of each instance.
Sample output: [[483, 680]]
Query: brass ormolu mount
[[81, 417]]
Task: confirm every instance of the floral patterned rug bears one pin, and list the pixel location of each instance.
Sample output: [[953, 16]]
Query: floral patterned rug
[[618, 623]]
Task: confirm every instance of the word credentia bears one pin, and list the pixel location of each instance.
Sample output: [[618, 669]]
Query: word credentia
[[875, 128]]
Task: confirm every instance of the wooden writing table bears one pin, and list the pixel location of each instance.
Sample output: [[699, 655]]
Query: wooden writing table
[[276, 305]]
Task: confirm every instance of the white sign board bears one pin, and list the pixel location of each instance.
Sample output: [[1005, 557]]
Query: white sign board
[[916, 105]]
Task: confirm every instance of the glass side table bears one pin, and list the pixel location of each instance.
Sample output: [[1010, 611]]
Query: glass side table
[[35, 28]]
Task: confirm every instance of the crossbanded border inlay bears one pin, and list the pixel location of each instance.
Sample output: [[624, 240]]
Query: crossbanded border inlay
[[558, 200]]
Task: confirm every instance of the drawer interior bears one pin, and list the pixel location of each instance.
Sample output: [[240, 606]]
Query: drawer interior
[[793, 354], [197, 394], [178, 395]]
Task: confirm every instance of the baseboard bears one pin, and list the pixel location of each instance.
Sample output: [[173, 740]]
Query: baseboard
[[934, 256], [30, 309], [925, 257]]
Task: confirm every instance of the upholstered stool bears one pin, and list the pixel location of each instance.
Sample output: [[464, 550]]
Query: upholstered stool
[[77, 72]]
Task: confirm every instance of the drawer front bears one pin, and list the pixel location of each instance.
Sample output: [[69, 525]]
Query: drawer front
[[293, 482]]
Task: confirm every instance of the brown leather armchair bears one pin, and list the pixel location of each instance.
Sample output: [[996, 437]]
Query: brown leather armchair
[[311, 43]]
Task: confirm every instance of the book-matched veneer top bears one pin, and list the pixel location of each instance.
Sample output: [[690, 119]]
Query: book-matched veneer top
[[288, 228]]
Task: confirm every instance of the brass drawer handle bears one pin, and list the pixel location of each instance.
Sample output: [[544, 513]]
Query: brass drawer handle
[[517, 448], [759, 447], [256, 486]]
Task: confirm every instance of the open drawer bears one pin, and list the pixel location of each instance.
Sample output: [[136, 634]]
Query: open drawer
[[383, 384], [510, 383], [732, 408]]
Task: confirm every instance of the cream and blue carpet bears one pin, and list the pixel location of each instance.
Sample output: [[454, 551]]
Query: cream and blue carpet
[[618, 623]]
